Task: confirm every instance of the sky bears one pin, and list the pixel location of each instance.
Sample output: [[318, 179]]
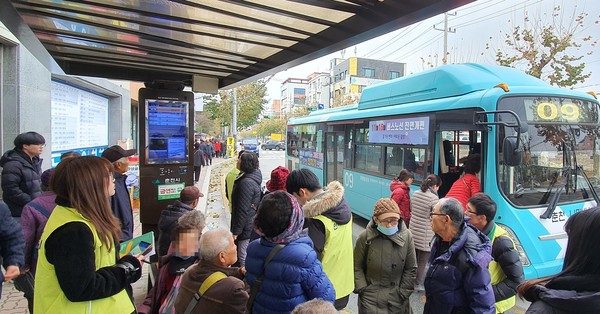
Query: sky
[[474, 26]]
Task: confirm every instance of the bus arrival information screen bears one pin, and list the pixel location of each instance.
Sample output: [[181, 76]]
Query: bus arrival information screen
[[167, 131]]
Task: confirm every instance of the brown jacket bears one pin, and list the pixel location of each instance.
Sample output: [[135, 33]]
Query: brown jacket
[[226, 296]]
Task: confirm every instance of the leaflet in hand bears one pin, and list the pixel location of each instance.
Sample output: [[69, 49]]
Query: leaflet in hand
[[143, 244]]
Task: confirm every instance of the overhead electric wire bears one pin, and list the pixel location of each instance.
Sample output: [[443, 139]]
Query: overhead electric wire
[[397, 37]]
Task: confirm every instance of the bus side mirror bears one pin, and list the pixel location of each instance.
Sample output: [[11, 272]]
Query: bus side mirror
[[511, 152]]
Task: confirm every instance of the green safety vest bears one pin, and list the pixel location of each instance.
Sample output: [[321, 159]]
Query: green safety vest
[[496, 273], [49, 297], [338, 255]]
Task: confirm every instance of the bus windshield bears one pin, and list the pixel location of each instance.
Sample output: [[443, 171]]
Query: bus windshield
[[561, 155]]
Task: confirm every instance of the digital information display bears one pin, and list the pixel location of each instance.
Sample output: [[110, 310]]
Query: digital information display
[[79, 120], [166, 131]]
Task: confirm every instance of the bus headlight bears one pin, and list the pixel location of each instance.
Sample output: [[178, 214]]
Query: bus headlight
[[522, 255]]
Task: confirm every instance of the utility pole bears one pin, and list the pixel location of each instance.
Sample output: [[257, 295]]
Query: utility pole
[[234, 123], [446, 30]]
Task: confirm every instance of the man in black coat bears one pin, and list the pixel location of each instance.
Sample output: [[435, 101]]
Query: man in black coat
[[506, 270], [21, 171]]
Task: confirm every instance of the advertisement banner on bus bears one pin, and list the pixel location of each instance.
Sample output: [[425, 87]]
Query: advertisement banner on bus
[[413, 131], [310, 158]]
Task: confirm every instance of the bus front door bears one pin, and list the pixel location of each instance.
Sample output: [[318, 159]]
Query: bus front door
[[334, 158]]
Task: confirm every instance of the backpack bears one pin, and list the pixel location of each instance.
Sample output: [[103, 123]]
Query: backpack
[[168, 306]]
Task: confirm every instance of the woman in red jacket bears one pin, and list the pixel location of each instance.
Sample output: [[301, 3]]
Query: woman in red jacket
[[400, 188], [468, 184]]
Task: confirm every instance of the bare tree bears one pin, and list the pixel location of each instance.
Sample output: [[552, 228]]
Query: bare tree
[[552, 52]]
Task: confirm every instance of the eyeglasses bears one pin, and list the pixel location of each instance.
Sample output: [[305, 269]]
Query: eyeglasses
[[389, 221], [431, 214], [468, 212]]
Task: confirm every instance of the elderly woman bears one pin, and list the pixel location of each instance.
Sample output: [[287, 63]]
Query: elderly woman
[[245, 196], [294, 274], [422, 204], [385, 265]]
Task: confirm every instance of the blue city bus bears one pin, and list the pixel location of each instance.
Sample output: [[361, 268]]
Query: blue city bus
[[539, 147]]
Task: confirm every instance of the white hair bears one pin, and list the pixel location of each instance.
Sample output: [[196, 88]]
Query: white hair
[[122, 160], [214, 242]]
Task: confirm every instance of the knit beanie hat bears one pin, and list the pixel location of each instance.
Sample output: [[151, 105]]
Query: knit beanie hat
[[46, 175], [278, 177], [386, 206]]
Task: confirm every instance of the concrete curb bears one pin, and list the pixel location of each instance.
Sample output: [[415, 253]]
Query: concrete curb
[[205, 183]]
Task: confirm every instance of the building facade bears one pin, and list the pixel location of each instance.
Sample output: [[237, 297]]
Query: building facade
[[293, 94], [351, 76], [318, 93]]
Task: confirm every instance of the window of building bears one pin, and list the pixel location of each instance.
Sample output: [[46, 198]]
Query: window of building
[[394, 74], [299, 96], [369, 72]]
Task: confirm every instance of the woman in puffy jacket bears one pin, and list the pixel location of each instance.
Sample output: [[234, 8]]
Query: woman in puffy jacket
[[421, 205], [400, 188], [468, 184], [294, 275]]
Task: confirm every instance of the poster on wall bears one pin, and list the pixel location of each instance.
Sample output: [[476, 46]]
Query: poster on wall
[[412, 131], [79, 121]]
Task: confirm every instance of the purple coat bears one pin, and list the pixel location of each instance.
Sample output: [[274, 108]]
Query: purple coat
[[33, 222], [458, 279]]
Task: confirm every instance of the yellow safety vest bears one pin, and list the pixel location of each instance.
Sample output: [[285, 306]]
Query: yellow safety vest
[[230, 179], [497, 275], [49, 297], [338, 256]]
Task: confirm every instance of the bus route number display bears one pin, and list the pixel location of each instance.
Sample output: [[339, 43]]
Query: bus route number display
[[562, 110]]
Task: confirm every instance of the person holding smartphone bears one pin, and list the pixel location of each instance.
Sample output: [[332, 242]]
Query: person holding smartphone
[[77, 268]]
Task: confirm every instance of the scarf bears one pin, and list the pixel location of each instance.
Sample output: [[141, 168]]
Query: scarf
[[294, 230]]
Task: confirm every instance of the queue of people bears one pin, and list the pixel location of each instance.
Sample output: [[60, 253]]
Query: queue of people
[[289, 248]]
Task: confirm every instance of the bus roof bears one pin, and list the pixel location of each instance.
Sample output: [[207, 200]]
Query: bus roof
[[441, 82], [447, 87]]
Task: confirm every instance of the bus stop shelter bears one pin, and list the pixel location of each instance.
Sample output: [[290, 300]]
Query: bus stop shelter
[[206, 44]]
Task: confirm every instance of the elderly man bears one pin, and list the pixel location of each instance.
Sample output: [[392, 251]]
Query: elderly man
[[506, 270], [120, 202], [212, 286], [458, 279]]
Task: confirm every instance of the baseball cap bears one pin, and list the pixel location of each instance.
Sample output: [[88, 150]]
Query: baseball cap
[[190, 194], [117, 152]]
